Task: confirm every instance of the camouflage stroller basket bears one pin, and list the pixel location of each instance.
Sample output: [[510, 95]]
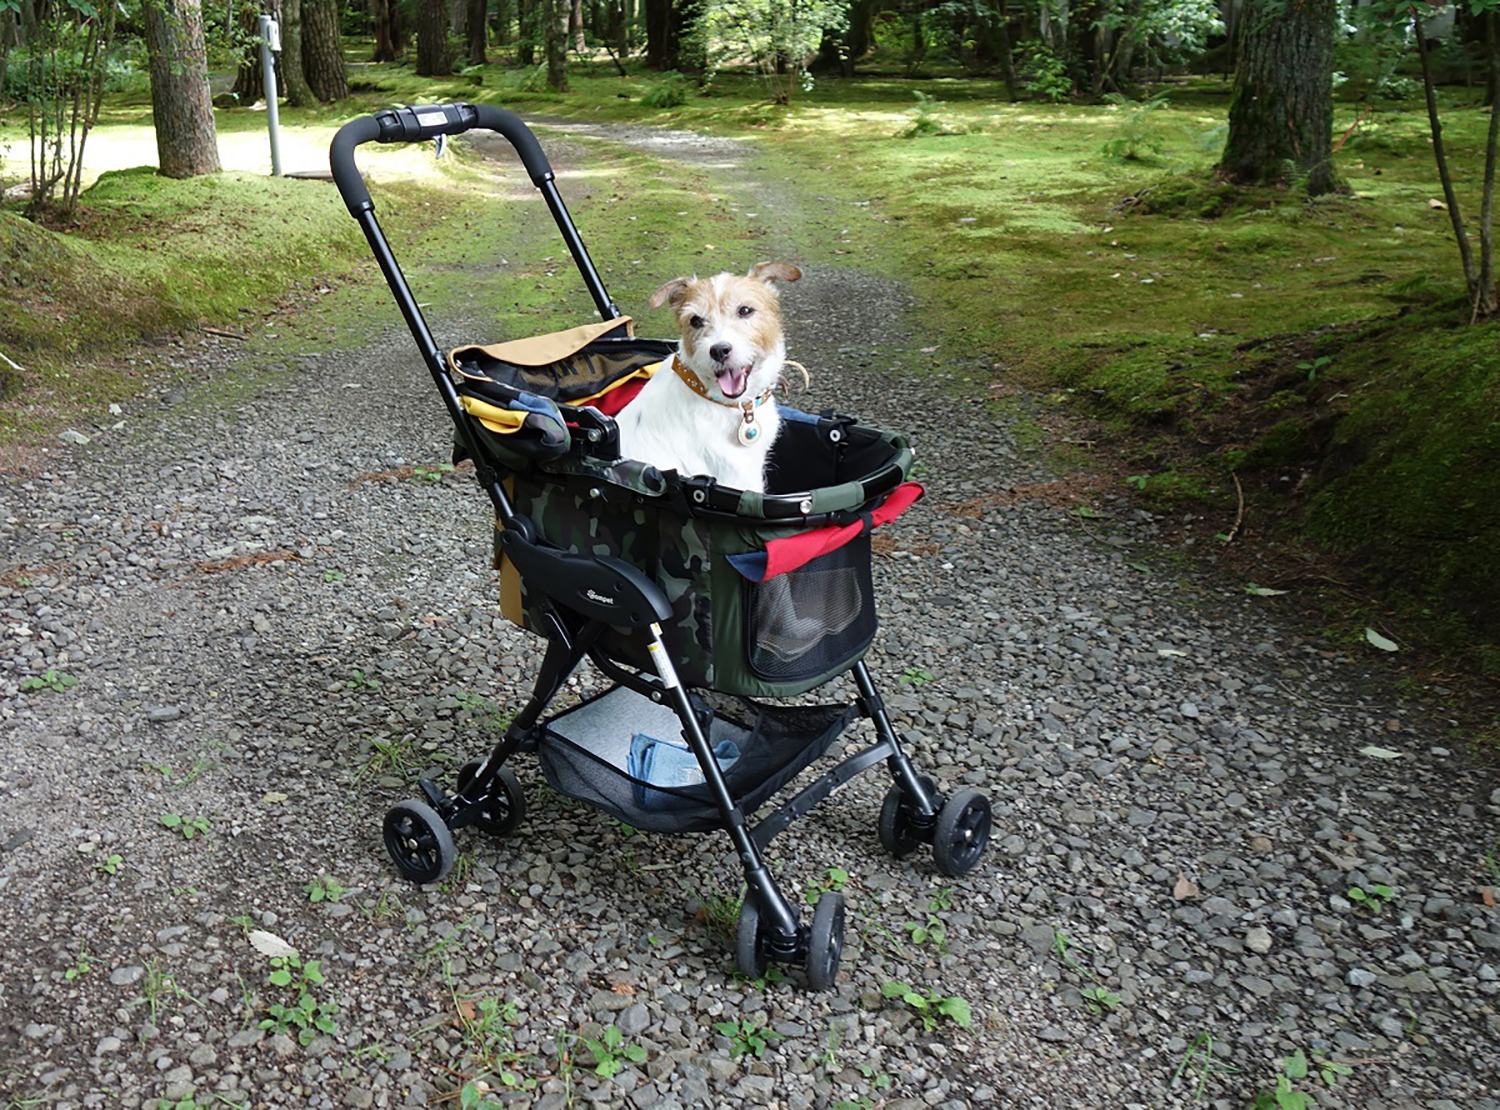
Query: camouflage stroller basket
[[698, 601]]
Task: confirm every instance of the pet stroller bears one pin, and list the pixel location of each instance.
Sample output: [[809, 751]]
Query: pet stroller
[[695, 600]]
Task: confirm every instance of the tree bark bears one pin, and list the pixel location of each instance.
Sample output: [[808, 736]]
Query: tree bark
[[390, 39], [555, 14], [663, 34], [1281, 111], [432, 38], [249, 80], [186, 141], [527, 16], [323, 50], [580, 39], [478, 36], [293, 77]]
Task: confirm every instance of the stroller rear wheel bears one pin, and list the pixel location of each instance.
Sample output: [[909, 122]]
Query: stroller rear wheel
[[750, 957], [899, 834], [963, 829], [825, 942], [505, 804], [418, 841]]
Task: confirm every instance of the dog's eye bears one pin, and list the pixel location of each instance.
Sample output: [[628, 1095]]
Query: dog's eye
[[746, 310], [695, 322]]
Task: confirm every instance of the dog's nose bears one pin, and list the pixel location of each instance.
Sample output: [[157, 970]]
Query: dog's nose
[[719, 351]]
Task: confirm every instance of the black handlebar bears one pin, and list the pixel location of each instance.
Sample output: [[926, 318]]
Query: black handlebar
[[415, 124]]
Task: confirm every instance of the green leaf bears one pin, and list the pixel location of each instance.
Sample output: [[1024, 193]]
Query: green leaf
[[1295, 1066], [281, 977], [1379, 641], [892, 989], [613, 1038], [171, 820], [727, 1028], [956, 1009], [312, 971], [634, 1053]]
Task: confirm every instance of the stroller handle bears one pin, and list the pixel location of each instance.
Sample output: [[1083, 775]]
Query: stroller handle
[[422, 122]]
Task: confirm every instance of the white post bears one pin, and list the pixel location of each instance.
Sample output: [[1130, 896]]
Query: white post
[[270, 46]]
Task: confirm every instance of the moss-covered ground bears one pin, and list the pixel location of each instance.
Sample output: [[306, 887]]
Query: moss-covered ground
[[1272, 358]]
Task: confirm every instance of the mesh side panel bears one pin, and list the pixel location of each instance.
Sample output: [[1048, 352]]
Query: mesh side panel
[[813, 619], [584, 754]]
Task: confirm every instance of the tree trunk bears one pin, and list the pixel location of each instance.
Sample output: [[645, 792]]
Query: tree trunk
[[663, 34], [1281, 112], [293, 77], [527, 14], [478, 37], [580, 40], [556, 14], [390, 39], [323, 50], [432, 38], [186, 142], [249, 80], [501, 26]]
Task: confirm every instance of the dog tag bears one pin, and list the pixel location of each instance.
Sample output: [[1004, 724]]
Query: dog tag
[[748, 431]]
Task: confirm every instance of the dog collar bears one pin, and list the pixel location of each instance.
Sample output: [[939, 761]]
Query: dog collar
[[748, 431]]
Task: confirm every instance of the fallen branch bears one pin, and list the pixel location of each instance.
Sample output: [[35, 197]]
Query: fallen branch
[[1239, 513], [225, 334]]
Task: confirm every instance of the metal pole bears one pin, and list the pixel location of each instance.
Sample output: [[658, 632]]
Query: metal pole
[[270, 46]]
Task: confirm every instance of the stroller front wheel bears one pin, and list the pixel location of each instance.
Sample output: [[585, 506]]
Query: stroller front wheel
[[825, 942], [963, 830], [505, 803], [419, 842], [750, 957], [898, 831]]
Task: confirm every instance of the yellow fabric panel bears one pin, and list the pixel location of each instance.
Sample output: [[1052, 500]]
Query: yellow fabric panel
[[493, 417]]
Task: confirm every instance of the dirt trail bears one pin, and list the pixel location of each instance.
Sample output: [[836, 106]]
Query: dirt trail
[[279, 611]]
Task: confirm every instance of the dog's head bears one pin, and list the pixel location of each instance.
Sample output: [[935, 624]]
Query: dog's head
[[731, 327]]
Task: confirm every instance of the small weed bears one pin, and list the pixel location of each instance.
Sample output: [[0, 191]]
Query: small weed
[[484, 711], [358, 680], [305, 1015], [1198, 1060], [431, 472], [324, 889], [1135, 142], [1295, 1068], [1372, 898], [1100, 1000], [49, 679], [720, 913], [933, 931], [611, 1053], [110, 865], [1315, 366], [1137, 482], [332, 575], [189, 827], [746, 1037], [157, 986], [931, 1007], [915, 676], [834, 879], [393, 755], [81, 968]]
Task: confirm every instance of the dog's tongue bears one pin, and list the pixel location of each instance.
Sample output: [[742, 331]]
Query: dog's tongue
[[732, 382]]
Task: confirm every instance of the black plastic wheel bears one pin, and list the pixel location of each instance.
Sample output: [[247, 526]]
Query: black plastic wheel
[[750, 957], [825, 942], [898, 834], [505, 806], [963, 829], [418, 841]]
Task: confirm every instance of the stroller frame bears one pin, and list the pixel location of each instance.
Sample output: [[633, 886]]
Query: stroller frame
[[418, 832]]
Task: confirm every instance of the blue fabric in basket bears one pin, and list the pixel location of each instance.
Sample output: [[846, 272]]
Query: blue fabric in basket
[[669, 763]]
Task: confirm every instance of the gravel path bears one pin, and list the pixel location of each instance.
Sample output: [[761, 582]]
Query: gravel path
[[277, 617]]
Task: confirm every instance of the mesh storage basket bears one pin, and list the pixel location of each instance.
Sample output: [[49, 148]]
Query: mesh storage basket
[[598, 752]]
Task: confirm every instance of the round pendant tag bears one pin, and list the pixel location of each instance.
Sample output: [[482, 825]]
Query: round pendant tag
[[748, 434]]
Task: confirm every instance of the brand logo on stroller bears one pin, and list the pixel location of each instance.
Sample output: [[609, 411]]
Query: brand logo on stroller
[[600, 598]]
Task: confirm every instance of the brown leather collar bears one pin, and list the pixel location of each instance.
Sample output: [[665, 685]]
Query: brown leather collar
[[692, 382]]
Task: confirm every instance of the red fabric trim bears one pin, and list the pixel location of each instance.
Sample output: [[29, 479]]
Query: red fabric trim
[[616, 399], [788, 554]]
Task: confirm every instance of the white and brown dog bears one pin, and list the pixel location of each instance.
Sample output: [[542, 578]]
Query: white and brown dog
[[711, 410]]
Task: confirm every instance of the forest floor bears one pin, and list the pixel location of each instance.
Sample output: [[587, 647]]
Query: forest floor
[[248, 612]]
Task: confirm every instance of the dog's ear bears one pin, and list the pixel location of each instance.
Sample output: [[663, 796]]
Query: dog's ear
[[672, 293], [772, 272]]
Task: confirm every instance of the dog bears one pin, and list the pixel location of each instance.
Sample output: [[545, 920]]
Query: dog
[[710, 410]]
